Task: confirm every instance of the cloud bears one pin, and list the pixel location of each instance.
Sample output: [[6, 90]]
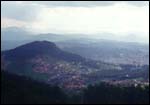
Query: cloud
[[116, 19], [89, 3], [19, 11], [28, 10], [138, 3], [76, 3], [8, 22], [87, 17]]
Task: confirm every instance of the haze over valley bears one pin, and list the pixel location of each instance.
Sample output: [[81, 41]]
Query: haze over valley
[[75, 52]]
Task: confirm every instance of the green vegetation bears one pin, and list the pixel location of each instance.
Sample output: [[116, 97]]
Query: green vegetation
[[22, 90], [107, 94]]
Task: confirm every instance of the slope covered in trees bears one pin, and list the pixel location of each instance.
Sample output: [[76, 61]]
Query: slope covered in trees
[[107, 94], [18, 90], [22, 90]]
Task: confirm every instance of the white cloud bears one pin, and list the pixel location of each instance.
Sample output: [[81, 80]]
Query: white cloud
[[119, 18], [8, 22], [20, 10], [82, 3]]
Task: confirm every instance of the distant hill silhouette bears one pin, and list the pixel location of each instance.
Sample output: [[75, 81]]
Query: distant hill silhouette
[[32, 49]]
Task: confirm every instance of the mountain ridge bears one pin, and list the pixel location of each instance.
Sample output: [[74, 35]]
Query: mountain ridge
[[39, 47]]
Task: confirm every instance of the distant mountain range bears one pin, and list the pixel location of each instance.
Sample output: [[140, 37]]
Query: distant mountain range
[[44, 61], [12, 37], [109, 51]]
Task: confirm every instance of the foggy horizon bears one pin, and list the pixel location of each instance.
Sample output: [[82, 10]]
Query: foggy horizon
[[115, 20]]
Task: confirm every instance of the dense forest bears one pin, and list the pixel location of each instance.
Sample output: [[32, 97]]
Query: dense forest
[[18, 90]]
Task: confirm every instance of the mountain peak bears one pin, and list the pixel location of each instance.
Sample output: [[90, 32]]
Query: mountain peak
[[40, 48], [42, 43], [34, 48]]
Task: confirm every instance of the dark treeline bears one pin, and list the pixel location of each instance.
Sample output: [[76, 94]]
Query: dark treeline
[[22, 90], [107, 94]]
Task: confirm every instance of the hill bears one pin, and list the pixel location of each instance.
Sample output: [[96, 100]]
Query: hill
[[44, 61]]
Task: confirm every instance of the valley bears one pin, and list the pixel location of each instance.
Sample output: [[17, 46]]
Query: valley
[[44, 61]]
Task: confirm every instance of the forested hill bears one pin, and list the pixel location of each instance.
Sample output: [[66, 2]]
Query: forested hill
[[19, 90]]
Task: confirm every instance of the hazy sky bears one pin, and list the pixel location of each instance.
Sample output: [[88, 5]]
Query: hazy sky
[[120, 18]]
